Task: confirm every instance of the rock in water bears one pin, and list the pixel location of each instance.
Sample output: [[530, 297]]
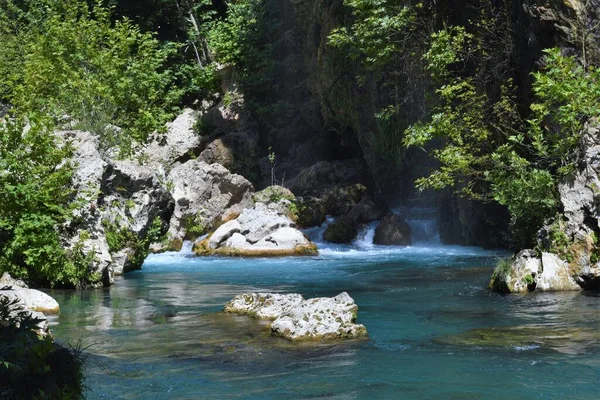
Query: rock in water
[[263, 305], [393, 230], [342, 230], [294, 318], [260, 231], [320, 318]]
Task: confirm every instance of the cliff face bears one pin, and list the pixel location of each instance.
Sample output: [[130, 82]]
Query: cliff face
[[323, 114]]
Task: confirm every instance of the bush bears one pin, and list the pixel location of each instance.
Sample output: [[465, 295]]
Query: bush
[[31, 365], [36, 198]]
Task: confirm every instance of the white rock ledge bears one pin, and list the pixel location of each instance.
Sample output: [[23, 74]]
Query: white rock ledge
[[295, 318]]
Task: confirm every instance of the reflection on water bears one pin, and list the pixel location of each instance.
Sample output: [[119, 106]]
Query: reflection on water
[[435, 331]]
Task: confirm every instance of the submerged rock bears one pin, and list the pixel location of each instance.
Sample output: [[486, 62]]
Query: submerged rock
[[393, 230], [297, 319], [260, 231]]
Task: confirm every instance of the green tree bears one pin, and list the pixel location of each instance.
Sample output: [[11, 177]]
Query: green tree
[[68, 60]]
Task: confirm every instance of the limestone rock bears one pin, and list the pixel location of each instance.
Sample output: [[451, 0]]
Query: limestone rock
[[260, 221], [203, 194], [320, 318], [555, 275], [519, 275], [393, 230], [7, 280], [263, 305], [297, 319], [580, 193], [223, 233], [85, 229], [258, 231], [176, 145]]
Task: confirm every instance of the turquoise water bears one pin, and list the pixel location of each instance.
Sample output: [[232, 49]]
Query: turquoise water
[[435, 331]]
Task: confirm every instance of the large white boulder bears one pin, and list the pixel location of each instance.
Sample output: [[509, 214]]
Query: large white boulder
[[294, 318], [260, 231]]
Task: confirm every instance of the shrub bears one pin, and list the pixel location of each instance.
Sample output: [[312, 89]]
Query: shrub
[[36, 198], [31, 365]]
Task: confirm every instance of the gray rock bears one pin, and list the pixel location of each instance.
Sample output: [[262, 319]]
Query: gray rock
[[203, 195], [555, 275], [176, 145], [132, 199], [393, 230], [116, 197], [258, 231], [260, 221], [7, 280], [321, 318], [580, 193], [518, 276], [223, 233], [263, 305], [85, 229], [297, 319], [237, 151], [367, 211]]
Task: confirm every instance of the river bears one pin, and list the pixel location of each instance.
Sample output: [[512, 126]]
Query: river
[[435, 330]]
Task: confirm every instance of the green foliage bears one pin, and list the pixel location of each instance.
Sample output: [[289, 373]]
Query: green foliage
[[380, 30], [193, 226], [499, 276], [31, 366], [69, 60], [137, 245], [36, 198], [489, 152]]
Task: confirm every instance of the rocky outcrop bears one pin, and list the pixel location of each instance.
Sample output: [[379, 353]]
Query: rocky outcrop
[[135, 210], [178, 144], [311, 212], [205, 196], [122, 204], [393, 230], [258, 231], [569, 246], [263, 305], [342, 230], [294, 318]]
